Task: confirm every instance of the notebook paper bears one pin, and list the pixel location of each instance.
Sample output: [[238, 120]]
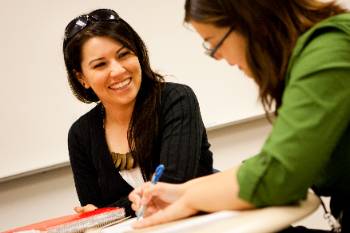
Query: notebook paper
[[185, 224]]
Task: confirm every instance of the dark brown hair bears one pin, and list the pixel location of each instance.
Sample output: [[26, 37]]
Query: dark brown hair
[[144, 124], [270, 27]]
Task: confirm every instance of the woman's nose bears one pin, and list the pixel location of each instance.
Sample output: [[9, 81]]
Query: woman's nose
[[116, 69], [217, 56]]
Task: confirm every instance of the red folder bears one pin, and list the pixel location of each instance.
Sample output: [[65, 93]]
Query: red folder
[[76, 222]]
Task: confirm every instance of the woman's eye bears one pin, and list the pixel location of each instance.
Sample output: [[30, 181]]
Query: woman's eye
[[124, 53], [99, 65]]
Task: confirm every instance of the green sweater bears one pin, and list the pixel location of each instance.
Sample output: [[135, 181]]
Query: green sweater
[[309, 145]]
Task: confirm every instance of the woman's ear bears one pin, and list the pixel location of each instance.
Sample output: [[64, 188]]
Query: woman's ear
[[81, 79]]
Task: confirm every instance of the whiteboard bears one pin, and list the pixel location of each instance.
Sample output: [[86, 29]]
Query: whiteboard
[[38, 107]]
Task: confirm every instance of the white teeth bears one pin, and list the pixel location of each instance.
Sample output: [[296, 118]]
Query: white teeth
[[121, 84]]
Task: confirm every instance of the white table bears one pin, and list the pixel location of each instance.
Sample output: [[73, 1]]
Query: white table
[[269, 219]]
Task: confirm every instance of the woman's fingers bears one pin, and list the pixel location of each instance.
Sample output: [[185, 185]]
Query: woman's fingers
[[89, 207], [148, 191], [150, 210], [155, 197], [134, 207], [83, 209], [135, 198], [78, 209], [175, 211], [140, 195]]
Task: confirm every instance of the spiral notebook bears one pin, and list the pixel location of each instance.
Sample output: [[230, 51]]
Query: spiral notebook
[[76, 223]]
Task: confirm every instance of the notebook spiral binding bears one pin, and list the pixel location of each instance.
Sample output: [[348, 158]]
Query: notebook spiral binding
[[82, 225]]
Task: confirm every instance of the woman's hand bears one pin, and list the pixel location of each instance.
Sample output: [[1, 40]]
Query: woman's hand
[[156, 197], [164, 203], [168, 202], [83, 209]]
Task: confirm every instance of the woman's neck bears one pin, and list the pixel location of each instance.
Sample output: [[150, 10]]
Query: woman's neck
[[116, 126], [120, 115]]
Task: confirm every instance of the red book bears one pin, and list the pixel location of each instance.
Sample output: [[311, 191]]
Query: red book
[[76, 222]]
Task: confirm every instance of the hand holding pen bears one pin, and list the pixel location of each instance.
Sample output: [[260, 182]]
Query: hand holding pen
[[165, 202], [155, 178]]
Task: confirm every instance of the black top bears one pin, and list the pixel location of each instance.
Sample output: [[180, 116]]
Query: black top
[[184, 149]]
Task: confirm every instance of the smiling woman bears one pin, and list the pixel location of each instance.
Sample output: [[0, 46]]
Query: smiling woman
[[112, 71], [139, 120], [42, 116]]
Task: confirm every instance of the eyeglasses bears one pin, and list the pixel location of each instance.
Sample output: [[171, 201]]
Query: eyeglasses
[[211, 51], [82, 21]]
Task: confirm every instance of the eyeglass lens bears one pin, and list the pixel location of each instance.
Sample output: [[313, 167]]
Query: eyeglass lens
[[211, 51]]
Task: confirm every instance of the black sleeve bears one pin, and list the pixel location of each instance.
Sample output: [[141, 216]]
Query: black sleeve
[[84, 172], [182, 131]]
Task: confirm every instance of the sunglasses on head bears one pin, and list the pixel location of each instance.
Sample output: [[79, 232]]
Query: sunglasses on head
[[82, 21]]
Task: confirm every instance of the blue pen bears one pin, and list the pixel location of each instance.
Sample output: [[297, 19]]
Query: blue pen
[[155, 178]]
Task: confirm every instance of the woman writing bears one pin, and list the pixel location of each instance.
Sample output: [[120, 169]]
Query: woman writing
[[139, 121], [298, 53]]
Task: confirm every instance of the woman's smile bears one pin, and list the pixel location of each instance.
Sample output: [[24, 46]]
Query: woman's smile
[[121, 85]]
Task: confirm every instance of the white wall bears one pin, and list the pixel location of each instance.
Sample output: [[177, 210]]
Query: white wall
[[34, 84], [39, 105], [345, 3], [51, 194]]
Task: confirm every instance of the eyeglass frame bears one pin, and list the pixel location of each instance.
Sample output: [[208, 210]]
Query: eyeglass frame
[[211, 51], [85, 20]]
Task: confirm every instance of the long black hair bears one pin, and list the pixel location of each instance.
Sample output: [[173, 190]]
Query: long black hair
[[144, 125]]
